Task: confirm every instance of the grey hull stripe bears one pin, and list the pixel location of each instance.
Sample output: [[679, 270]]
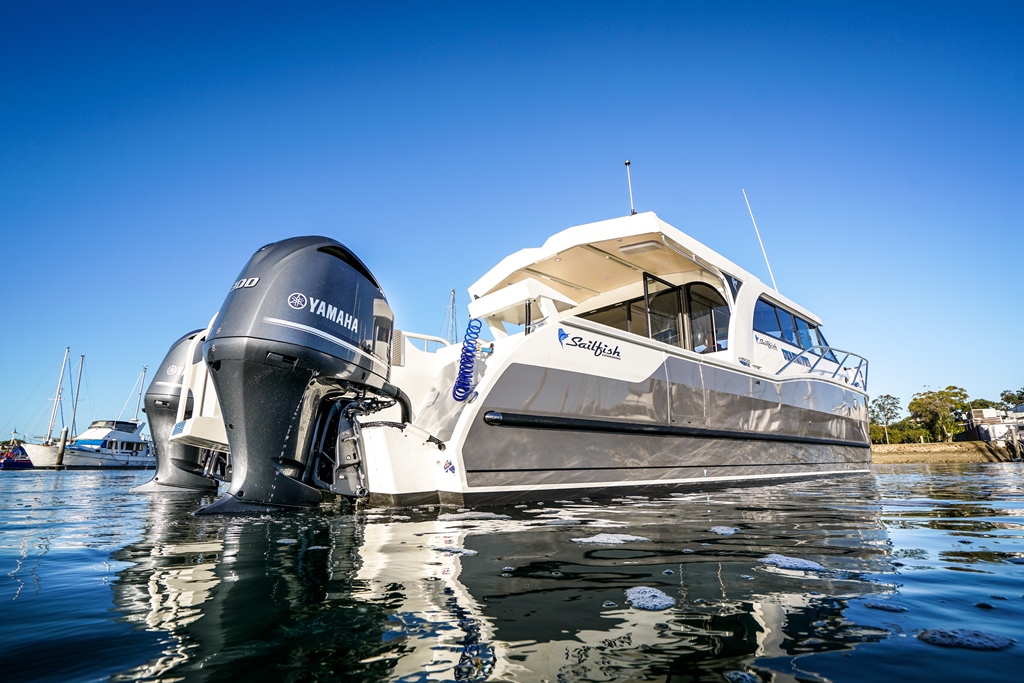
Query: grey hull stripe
[[636, 468], [498, 419]]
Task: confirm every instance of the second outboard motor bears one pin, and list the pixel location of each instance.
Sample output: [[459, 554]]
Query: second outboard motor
[[300, 347], [178, 467]]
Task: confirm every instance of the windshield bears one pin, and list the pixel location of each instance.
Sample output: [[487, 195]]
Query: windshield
[[116, 425]]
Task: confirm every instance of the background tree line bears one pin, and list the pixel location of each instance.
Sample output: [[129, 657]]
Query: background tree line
[[932, 415]]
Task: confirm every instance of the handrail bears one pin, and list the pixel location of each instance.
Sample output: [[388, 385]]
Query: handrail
[[538, 323], [861, 370], [427, 337]]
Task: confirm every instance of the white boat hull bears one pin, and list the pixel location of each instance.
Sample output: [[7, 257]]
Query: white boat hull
[[550, 422], [45, 457]]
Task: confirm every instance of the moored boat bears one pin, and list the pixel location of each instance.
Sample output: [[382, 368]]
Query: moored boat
[[15, 458], [625, 356], [117, 444]]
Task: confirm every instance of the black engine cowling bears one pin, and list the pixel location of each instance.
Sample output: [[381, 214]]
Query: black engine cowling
[[299, 347], [178, 467]]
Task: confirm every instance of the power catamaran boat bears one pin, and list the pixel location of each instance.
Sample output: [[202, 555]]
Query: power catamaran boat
[[626, 356]]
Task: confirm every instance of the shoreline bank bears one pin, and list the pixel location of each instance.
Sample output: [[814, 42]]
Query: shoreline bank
[[957, 452]]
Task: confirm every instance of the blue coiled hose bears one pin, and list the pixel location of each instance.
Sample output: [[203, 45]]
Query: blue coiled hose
[[464, 381]]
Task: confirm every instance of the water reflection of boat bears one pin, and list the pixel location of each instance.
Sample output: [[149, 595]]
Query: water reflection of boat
[[560, 612], [393, 595], [233, 600], [169, 582]]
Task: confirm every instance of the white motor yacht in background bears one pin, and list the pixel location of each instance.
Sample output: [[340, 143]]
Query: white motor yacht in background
[[117, 444], [626, 357]]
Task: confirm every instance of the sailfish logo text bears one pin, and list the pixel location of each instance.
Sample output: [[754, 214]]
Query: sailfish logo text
[[596, 347], [320, 307]]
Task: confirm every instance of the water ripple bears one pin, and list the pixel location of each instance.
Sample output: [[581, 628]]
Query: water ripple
[[105, 584]]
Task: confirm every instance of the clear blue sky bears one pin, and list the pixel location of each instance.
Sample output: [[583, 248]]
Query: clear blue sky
[[146, 151]]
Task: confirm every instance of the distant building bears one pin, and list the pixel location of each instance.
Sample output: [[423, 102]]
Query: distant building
[[997, 427]]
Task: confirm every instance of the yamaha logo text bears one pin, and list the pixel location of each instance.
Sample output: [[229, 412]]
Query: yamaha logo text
[[300, 301]]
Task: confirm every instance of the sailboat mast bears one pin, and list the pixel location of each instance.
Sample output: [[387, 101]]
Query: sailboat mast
[[142, 383], [56, 400], [78, 392]]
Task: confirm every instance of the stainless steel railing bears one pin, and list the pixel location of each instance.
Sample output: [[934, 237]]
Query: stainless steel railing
[[831, 354]]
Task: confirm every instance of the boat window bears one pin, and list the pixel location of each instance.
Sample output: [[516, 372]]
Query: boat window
[[781, 324], [734, 285], [766, 320], [629, 316], [113, 445], [788, 327], [814, 335], [616, 316], [828, 354], [637, 318], [116, 425], [709, 319], [803, 332], [698, 321], [721, 315], [664, 311]]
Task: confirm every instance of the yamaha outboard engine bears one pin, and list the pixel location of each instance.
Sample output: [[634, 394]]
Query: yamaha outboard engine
[[178, 467], [300, 347]]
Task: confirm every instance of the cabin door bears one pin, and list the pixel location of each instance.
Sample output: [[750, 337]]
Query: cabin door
[[664, 306]]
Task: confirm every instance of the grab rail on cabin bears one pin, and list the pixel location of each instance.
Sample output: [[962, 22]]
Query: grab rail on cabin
[[535, 324], [427, 338], [830, 353]]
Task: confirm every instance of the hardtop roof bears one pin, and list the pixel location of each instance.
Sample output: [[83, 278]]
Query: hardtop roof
[[588, 260]]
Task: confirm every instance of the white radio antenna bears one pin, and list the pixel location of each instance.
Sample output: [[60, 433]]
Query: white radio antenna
[[759, 239], [632, 211]]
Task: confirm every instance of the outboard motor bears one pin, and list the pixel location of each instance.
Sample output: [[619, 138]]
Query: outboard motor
[[178, 467], [300, 347]]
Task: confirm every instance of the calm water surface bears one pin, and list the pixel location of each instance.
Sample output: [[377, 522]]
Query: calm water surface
[[100, 584]]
